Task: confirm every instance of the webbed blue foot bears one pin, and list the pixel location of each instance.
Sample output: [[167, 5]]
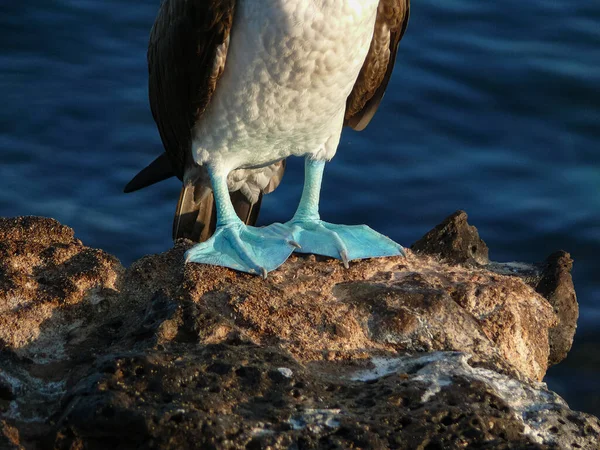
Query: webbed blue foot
[[235, 245], [244, 248], [344, 242]]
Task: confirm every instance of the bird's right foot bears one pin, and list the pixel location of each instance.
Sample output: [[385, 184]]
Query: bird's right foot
[[244, 248]]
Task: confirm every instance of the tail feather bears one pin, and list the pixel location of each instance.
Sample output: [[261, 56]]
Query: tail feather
[[158, 170], [245, 209], [196, 214]]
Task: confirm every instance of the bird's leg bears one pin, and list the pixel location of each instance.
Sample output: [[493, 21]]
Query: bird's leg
[[308, 209], [345, 242], [235, 245]]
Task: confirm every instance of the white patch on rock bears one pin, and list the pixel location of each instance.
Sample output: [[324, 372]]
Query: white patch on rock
[[95, 296], [39, 395], [316, 420], [388, 366], [288, 373], [258, 432], [15, 384], [513, 268], [434, 379], [532, 404]]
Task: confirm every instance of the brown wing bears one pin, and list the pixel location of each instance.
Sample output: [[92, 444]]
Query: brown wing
[[390, 25], [186, 55]]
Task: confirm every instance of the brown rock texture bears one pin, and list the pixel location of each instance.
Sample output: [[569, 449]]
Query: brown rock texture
[[556, 285], [454, 240], [44, 273], [322, 311], [413, 352], [551, 279]]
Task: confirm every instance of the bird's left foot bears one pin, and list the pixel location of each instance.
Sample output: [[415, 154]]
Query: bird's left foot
[[344, 242], [244, 248]]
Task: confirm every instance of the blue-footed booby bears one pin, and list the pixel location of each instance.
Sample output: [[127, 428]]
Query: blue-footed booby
[[237, 86]]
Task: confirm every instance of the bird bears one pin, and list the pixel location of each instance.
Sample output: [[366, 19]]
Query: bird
[[238, 86]]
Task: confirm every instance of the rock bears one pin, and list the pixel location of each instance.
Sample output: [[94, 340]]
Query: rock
[[551, 279], [51, 285], [9, 437], [556, 285], [455, 241], [236, 395], [399, 352]]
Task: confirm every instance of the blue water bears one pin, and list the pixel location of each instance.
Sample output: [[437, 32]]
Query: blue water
[[494, 108]]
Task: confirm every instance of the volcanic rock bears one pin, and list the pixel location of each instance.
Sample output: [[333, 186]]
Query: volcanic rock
[[414, 352], [455, 241]]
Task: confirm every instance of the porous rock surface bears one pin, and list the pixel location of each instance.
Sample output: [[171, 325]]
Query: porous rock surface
[[455, 241], [415, 352]]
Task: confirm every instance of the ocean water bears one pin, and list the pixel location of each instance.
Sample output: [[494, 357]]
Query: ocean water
[[494, 108]]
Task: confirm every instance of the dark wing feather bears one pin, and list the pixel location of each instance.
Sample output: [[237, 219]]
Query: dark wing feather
[[186, 55], [390, 25]]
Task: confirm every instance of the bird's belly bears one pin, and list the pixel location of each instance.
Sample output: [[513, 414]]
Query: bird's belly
[[290, 68]]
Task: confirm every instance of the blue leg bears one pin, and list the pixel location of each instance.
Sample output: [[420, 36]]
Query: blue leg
[[235, 245], [345, 242]]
